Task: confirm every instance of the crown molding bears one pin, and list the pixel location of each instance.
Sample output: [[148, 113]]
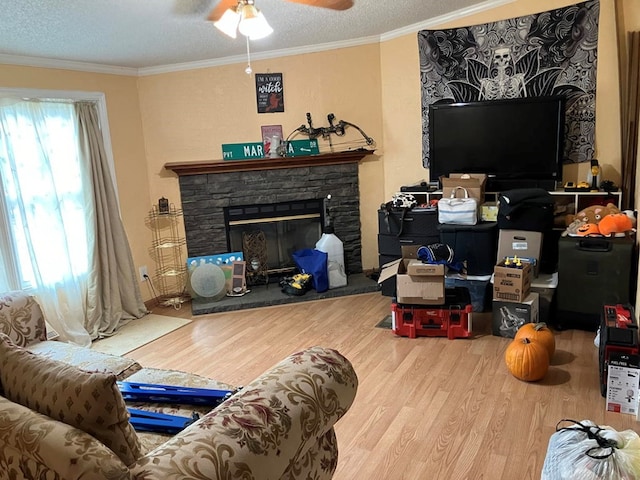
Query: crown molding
[[286, 52], [444, 19], [177, 67], [41, 62]]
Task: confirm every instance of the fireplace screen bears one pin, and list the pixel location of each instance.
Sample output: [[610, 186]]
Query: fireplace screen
[[288, 227]]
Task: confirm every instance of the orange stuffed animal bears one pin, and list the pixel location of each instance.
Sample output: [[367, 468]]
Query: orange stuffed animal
[[615, 223], [587, 221]]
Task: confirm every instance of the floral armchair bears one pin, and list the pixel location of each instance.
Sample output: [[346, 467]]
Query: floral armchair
[[279, 426]]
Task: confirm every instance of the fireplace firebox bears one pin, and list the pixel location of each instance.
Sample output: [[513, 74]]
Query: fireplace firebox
[[287, 227]]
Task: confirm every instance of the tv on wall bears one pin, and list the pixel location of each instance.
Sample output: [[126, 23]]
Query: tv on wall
[[518, 143]]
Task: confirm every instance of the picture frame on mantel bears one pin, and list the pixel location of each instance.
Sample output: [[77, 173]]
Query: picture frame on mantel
[[271, 134], [269, 92]]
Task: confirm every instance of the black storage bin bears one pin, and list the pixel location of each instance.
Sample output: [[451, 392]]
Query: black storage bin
[[475, 244], [410, 222], [592, 272], [392, 245], [480, 291]]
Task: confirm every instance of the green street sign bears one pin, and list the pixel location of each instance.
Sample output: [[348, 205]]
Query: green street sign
[[299, 148], [242, 151], [253, 150]]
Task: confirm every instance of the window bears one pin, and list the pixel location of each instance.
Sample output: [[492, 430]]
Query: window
[[43, 192], [45, 196]]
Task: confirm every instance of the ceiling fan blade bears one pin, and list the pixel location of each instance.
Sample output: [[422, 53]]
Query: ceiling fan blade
[[219, 9], [332, 4]]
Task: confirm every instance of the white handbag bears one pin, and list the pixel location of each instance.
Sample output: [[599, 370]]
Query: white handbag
[[458, 211]]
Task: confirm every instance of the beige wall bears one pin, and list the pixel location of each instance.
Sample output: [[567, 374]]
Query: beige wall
[[186, 116]]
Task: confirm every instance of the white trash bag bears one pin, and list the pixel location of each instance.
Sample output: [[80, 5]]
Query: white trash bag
[[586, 451]]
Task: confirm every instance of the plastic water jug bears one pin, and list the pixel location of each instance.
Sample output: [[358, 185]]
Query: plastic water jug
[[332, 246]]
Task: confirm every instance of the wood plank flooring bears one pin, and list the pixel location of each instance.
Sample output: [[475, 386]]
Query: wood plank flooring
[[427, 408]]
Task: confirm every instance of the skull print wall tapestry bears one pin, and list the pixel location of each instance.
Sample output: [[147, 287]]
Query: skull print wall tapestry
[[548, 53]]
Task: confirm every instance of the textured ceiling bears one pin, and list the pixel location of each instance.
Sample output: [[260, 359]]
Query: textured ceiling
[[143, 34]]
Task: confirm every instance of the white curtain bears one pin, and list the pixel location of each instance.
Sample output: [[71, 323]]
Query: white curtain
[[47, 204], [113, 294]]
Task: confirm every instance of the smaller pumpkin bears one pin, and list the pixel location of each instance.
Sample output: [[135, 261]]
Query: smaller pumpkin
[[587, 230], [527, 359], [540, 333]]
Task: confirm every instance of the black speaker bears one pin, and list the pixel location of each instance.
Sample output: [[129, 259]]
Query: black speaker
[[592, 272]]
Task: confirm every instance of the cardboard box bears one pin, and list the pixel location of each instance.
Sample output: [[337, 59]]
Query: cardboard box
[[424, 286], [417, 267], [508, 317], [489, 212], [522, 244], [474, 185], [511, 284], [622, 383]]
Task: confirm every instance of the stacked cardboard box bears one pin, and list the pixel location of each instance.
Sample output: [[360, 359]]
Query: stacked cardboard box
[[514, 304], [473, 183], [417, 283]]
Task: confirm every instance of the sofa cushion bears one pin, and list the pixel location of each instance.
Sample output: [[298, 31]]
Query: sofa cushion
[[35, 446], [86, 358], [21, 318], [89, 401]]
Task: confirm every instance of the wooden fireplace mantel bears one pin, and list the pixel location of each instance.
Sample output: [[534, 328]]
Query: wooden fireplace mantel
[[221, 166]]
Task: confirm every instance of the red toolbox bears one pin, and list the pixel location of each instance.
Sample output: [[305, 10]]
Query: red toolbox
[[451, 319], [618, 335]]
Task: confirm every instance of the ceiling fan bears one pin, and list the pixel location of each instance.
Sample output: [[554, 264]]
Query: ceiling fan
[[231, 16], [224, 5]]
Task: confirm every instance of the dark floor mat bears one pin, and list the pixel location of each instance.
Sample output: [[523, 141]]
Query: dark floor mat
[[385, 323]]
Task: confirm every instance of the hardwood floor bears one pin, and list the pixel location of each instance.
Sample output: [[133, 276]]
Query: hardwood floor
[[427, 408]]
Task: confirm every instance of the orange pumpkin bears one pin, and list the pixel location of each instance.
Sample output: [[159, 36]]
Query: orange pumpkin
[[540, 333], [527, 359]]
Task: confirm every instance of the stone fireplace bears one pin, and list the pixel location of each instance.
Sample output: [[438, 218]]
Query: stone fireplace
[[208, 189]]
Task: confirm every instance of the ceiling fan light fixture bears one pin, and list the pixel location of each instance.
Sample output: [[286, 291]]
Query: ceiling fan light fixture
[[253, 24], [228, 23]]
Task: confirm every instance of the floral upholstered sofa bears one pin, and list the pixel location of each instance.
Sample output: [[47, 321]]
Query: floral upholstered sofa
[[60, 421]]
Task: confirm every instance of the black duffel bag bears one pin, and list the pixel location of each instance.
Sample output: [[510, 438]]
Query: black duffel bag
[[526, 209]]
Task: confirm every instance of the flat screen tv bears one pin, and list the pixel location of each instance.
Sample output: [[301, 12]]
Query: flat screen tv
[[518, 143]]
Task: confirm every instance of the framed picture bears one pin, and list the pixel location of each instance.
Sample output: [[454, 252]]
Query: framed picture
[[271, 134], [269, 92]]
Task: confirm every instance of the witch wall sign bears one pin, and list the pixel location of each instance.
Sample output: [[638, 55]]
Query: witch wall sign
[[269, 92]]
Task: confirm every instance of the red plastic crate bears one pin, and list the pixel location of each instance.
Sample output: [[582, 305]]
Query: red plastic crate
[[422, 321], [452, 320]]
